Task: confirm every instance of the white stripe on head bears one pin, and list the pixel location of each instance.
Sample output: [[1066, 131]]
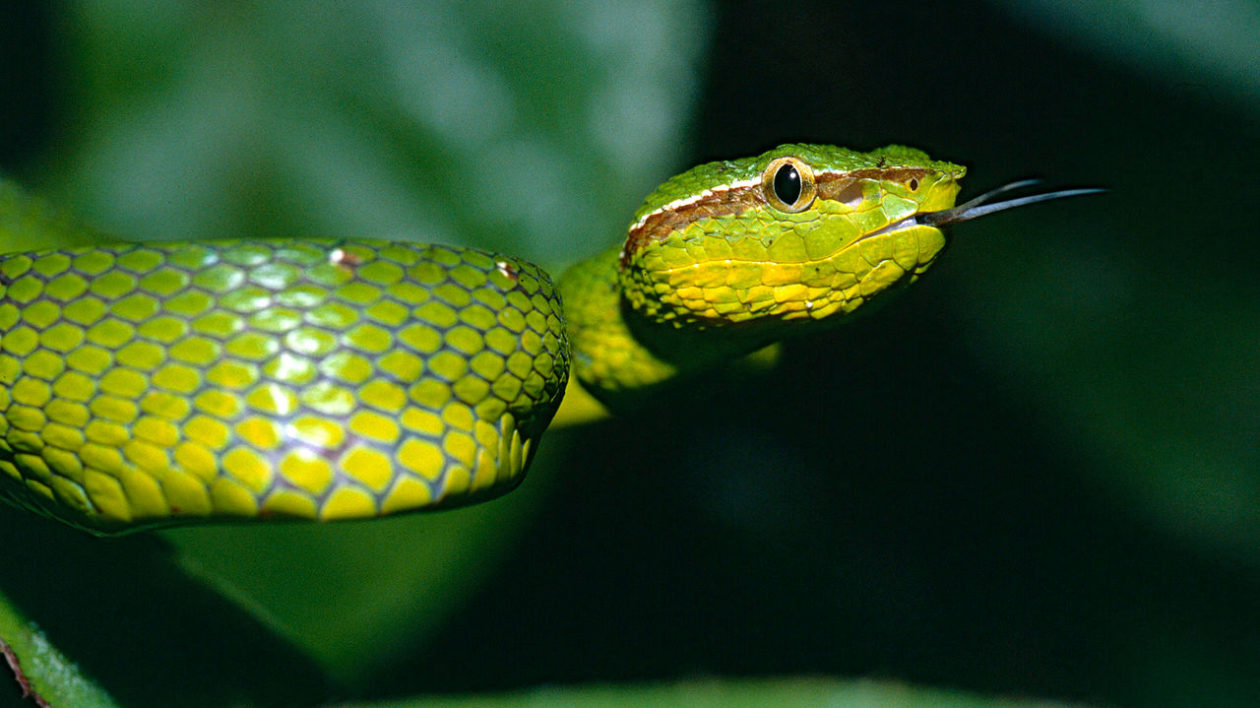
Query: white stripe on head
[[687, 201]]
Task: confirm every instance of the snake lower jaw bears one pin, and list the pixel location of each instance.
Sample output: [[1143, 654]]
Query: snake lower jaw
[[147, 384]]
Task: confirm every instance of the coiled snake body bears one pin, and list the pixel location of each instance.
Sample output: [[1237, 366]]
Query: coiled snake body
[[160, 383]]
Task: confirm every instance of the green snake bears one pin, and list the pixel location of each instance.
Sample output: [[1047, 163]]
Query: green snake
[[149, 384]]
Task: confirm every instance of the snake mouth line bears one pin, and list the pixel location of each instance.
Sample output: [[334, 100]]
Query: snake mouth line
[[898, 225]]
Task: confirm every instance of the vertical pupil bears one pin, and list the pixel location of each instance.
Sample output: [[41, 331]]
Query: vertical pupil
[[787, 185]]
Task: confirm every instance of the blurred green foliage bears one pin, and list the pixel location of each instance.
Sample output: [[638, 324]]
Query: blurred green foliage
[[728, 694], [1038, 473]]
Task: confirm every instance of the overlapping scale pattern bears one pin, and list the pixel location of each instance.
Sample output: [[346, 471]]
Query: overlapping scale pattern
[[148, 384]]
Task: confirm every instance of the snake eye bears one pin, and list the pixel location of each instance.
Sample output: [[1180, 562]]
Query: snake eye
[[788, 184]]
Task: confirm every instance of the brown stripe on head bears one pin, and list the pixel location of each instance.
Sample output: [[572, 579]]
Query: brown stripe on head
[[847, 186], [732, 201], [672, 217]]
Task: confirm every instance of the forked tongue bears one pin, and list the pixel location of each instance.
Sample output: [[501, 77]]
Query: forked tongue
[[983, 204]]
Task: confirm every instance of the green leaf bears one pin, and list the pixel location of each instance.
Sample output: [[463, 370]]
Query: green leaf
[[727, 694], [39, 669]]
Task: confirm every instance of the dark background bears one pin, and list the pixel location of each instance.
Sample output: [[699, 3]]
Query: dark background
[[884, 506], [1032, 474]]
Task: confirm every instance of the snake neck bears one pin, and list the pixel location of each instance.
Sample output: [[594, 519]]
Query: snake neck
[[618, 354]]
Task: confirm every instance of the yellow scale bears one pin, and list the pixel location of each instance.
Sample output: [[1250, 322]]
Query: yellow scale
[[153, 384], [319, 380]]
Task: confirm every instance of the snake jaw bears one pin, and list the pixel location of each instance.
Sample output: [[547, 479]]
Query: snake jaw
[[739, 261]]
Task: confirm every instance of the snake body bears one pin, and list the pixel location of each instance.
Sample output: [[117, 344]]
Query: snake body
[[151, 384]]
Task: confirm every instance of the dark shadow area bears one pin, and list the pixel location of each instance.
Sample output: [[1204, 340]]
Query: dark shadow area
[[26, 121], [132, 620], [882, 505], [888, 518]]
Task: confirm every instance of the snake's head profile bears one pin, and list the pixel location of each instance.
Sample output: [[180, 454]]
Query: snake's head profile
[[802, 232]]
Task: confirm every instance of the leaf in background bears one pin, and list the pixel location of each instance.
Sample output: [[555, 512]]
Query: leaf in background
[[1206, 44], [46, 671], [27, 223], [730, 694], [533, 128], [1132, 322]]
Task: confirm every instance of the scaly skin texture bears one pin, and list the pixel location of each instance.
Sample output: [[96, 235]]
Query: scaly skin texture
[[724, 272], [145, 385], [152, 384]]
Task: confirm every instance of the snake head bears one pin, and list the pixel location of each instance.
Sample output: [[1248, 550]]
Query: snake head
[[802, 232]]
